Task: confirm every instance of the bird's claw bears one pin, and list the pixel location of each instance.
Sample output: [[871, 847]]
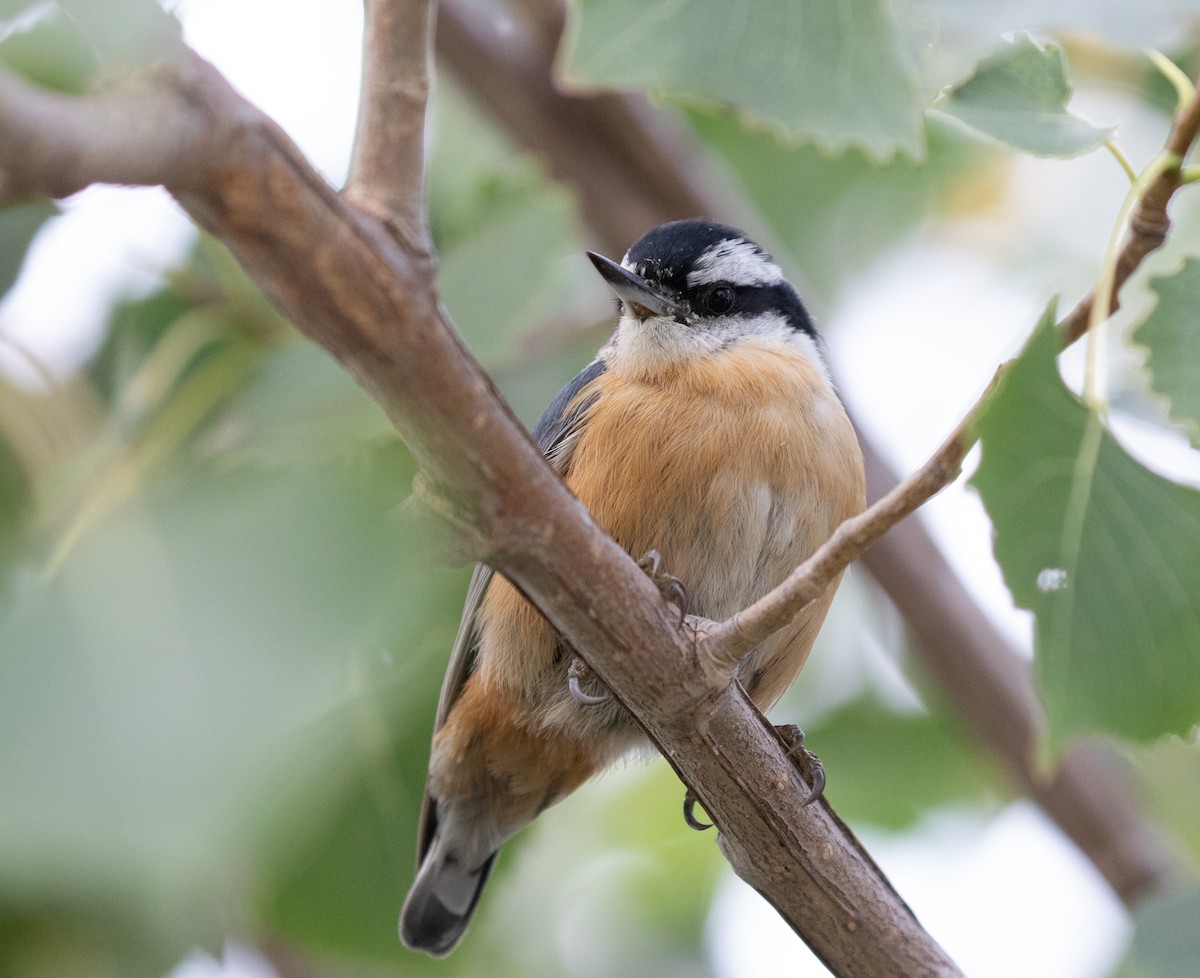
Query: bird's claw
[[807, 763], [689, 812], [670, 587], [577, 671]]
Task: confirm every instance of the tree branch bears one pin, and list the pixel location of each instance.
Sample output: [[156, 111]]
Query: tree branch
[[989, 680], [387, 169], [367, 296], [51, 147]]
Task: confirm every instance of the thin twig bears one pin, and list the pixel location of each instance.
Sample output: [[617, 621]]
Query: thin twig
[[1148, 224], [387, 169]]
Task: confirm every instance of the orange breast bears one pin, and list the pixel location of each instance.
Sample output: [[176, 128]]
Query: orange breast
[[733, 467], [730, 466]]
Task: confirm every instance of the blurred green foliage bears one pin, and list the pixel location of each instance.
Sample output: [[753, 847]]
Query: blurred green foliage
[[1019, 96], [220, 644], [1167, 942], [835, 74], [53, 52], [1170, 338]]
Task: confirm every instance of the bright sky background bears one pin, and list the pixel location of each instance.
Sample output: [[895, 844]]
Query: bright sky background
[[1006, 898]]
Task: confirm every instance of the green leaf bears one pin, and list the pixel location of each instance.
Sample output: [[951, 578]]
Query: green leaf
[[888, 769], [301, 409], [14, 498], [338, 870], [18, 225], [1019, 96], [65, 938], [1166, 940], [11, 9], [1171, 336], [125, 31], [829, 73], [52, 52], [612, 869], [484, 197], [494, 300], [836, 214], [167, 691], [1101, 549], [1168, 774]]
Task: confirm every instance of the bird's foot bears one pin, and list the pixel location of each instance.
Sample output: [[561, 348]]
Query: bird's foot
[[670, 587], [689, 812], [807, 763], [579, 672]]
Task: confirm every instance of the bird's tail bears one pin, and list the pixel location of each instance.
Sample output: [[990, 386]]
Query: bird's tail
[[441, 901]]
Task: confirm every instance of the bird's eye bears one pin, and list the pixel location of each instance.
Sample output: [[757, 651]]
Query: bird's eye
[[718, 299]]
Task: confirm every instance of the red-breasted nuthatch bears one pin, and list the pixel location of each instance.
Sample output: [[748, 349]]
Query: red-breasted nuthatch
[[707, 430]]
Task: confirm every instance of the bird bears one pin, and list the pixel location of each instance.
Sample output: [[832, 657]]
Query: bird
[[707, 436]]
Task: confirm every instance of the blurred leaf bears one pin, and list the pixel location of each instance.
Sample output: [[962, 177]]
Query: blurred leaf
[[612, 876], [1121, 24], [159, 694], [494, 295], [832, 74], [1019, 96], [483, 198], [11, 9], [530, 384], [888, 769], [1169, 773], [52, 52], [1166, 938], [125, 32], [135, 328], [14, 504], [301, 409], [1170, 335], [1102, 550], [89, 942], [18, 225], [836, 214], [337, 874], [472, 166], [208, 299]]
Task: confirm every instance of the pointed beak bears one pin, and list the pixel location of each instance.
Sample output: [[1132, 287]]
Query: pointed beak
[[639, 296]]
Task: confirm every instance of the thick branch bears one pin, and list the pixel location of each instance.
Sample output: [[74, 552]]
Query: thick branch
[[990, 681], [367, 297], [51, 147], [387, 170]]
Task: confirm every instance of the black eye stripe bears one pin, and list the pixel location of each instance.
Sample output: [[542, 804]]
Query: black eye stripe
[[756, 300]]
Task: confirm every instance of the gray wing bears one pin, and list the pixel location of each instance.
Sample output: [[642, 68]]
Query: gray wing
[[555, 433]]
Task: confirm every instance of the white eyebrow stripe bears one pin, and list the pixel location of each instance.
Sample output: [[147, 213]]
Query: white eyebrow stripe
[[736, 261]]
